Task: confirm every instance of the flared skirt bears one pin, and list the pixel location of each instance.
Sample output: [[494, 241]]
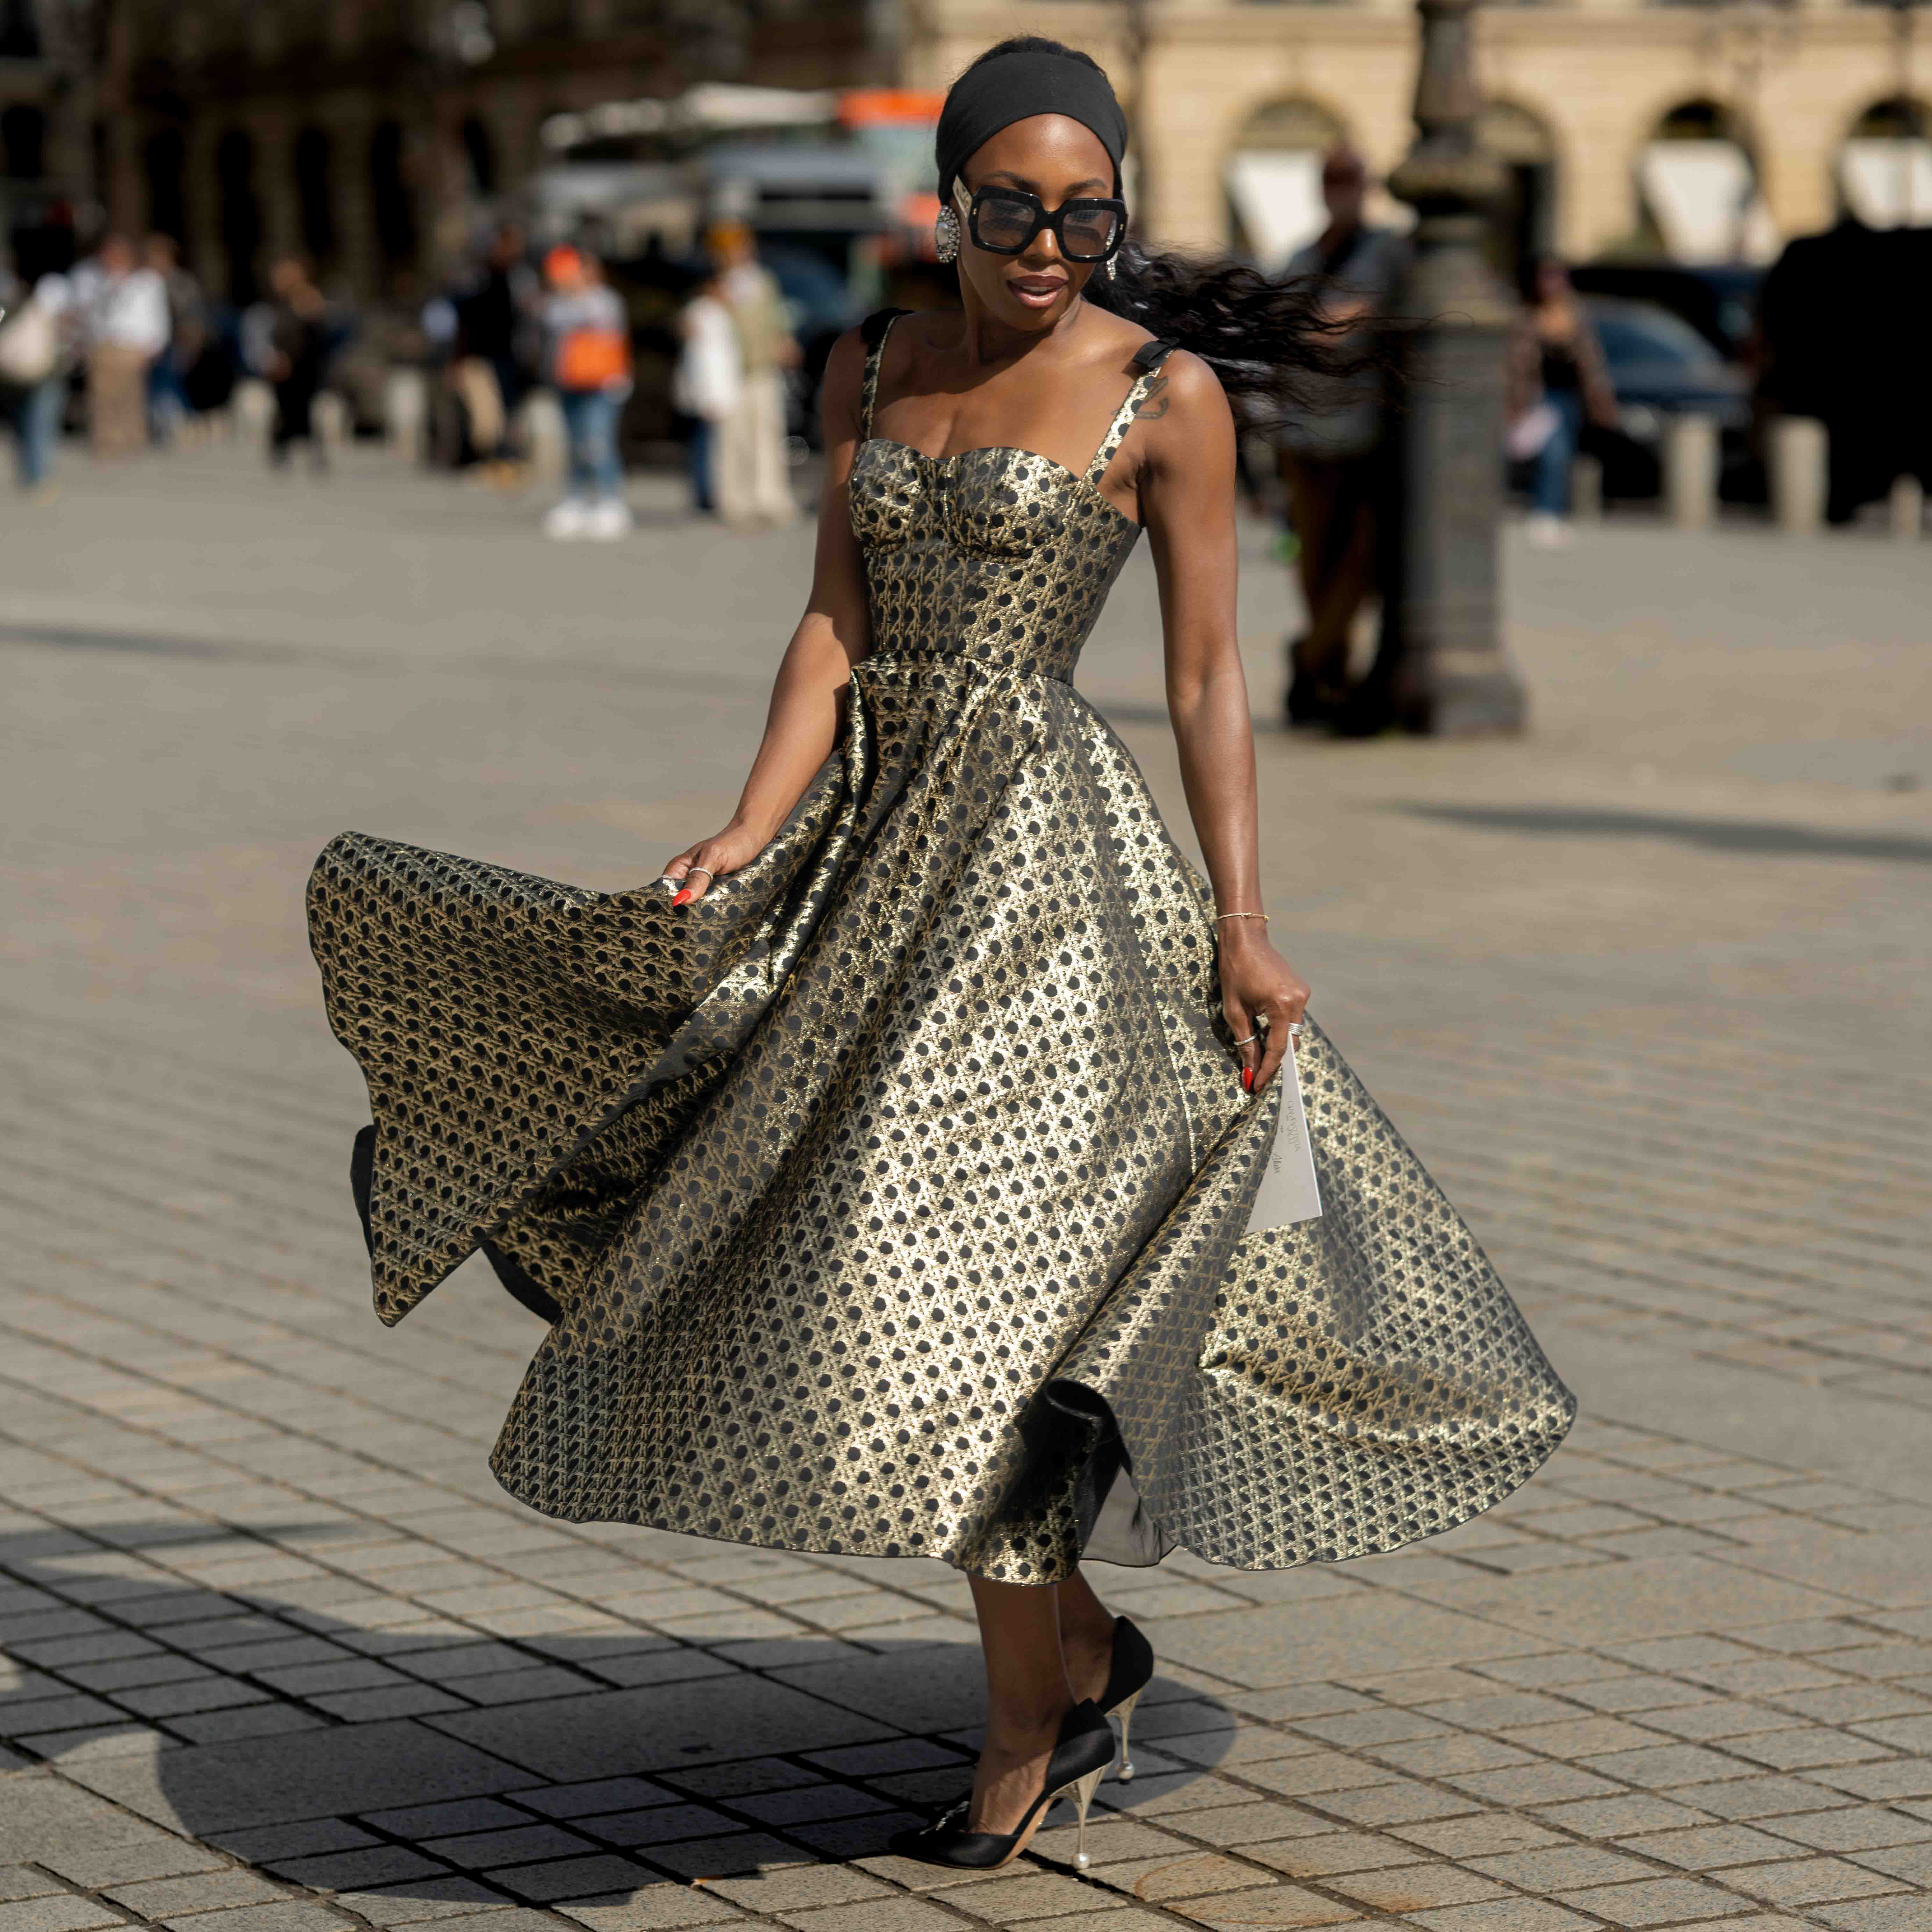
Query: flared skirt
[[897, 1196]]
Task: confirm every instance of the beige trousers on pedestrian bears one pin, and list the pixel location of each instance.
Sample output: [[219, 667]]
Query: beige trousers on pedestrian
[[753, 485], [117, 400]]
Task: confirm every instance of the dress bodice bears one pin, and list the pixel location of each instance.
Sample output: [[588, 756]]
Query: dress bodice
[[998, 554]]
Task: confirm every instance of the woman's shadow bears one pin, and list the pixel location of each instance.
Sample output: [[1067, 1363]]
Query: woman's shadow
[[413, 1771]]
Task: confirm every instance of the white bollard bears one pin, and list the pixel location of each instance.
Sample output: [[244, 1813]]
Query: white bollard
[[1586, 489], [1800, 456], [1691, 470], [405, 404], [253, 404], [540, 430], [1908, 507], [330, 417]]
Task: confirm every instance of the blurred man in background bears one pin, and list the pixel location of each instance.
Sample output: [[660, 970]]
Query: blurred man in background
[[1333, 456], [123, 312], [753, 485], [300, 341], [187, 333], [495, 309]]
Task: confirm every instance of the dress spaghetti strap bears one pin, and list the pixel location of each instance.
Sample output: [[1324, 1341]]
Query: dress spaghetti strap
[[873, 332], [1147, 359]]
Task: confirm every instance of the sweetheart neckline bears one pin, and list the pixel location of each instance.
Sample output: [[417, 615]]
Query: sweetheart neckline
[[1011, 449]]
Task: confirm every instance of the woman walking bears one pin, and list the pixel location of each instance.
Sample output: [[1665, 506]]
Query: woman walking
[[888, 1170]]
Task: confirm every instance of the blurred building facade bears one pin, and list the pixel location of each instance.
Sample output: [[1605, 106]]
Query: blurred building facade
[[1705, 130], [369, 134]]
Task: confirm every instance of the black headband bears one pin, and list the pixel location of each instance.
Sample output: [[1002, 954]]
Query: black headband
[[1015, 87]]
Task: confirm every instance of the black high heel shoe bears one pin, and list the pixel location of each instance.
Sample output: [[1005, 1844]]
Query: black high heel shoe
[[1130, 1673], [1081, 1755]]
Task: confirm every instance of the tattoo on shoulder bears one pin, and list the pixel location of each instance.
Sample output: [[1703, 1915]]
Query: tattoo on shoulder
[[1154, 403]]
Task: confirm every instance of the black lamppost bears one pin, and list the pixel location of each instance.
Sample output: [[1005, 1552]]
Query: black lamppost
[[1443, 670]]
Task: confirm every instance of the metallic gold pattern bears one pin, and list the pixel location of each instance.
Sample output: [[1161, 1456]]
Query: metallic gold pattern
[[890, 1198]]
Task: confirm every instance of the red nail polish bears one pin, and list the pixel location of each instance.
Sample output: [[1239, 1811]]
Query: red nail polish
[[679, 897], [1247, 1079]]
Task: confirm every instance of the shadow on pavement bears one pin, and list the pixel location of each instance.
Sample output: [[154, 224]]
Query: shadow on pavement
[[1761, 839], [490, 1769]]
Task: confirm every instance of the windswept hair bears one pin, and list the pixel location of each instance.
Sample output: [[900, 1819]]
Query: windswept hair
[[1277, 354]]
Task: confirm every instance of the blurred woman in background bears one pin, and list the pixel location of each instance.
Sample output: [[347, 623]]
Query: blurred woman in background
[[1558, 381], [590, 366]]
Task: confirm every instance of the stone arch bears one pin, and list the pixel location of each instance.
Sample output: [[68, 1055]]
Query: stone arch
[[312, 158], [23, 142], [1271, 176], [479, 154], [1525, 227], [1883, 171], [391, 205], [1700, 196], [164, 163], [240, 212]]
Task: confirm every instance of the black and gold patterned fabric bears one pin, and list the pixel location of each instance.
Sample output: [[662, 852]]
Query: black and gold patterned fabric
[[893, 1197]]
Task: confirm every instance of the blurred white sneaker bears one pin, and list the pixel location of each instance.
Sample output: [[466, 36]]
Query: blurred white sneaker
[[1547, 532], [567, 520], [606, 519]]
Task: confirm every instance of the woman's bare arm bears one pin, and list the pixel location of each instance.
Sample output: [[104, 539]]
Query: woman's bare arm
[[1187, 487], [802, 725]]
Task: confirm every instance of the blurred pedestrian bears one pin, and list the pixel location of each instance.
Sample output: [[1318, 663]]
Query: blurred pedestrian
[[707, 385], [300, 340], [35, 338], [1335, 457], [124, 311], [187, 333], [1558, 381], [753, 485], [590, 366], [494, 309]]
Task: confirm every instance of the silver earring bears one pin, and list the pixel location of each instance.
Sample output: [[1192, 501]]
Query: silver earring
[[1113, 265], [946, 235]]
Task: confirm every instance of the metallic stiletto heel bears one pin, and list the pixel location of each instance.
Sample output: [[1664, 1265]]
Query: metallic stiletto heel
[[1126, 1713], [1085, 1749], [1131, 1672], [1081, 1791]]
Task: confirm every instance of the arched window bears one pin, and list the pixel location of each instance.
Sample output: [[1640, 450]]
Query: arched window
[[19, 31], [1525, 228], [390, 201], [23, 142], [313, 206], [1273, 179], [1698, 187], [164, 158], [240, 214], [1885, 168], [480, 152]]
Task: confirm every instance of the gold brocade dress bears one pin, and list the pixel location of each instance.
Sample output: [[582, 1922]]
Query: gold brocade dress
[[893, 1198]]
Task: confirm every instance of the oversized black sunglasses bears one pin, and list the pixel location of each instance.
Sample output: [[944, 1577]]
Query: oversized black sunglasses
[[1004, 221]]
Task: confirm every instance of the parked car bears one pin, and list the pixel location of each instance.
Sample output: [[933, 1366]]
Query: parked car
[[1660, 366]]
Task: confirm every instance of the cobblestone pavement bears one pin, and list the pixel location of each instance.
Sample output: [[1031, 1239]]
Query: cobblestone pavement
[[1645, 989]]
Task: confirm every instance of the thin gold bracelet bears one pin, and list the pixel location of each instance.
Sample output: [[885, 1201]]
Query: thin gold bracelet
[[1220, 916]]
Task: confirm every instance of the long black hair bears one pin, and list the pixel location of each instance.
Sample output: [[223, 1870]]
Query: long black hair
[[1265, 337]]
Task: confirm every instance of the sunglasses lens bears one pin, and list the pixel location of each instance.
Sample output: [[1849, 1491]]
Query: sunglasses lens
[[1088, 231], [1003, 221]]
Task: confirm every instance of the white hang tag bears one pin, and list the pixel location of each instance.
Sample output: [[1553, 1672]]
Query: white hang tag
[[1288, 1191]]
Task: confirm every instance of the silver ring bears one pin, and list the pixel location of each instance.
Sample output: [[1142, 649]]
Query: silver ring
[[705, 869], [1294, 1026], [1249, 1041]]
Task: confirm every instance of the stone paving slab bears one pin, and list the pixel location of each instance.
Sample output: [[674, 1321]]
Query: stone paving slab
[[1644, 989]]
